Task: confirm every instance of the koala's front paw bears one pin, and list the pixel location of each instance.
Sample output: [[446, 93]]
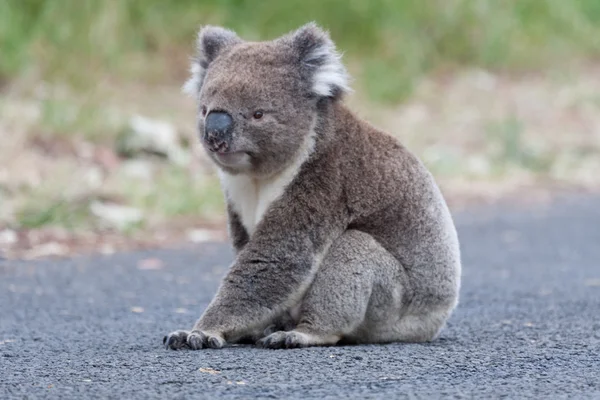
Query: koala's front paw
[[194, 340]]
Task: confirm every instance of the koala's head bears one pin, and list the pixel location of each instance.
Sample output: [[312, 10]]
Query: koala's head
[[258, 100]]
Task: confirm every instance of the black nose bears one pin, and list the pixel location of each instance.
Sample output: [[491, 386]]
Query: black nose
[[218, 123], [217, 130]]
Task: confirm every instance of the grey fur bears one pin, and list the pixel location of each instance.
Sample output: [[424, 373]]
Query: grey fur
[[341, 234]]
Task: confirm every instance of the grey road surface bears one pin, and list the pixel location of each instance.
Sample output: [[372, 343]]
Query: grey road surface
[[528, 324]]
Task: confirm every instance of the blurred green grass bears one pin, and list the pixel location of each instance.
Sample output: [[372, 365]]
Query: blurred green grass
[[391, 43], [82, 68]]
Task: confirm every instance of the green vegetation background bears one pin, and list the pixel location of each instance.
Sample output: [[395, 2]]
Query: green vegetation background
[[83, 67], [391, 42]]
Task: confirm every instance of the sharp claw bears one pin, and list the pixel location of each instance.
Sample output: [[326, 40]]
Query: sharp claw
[[196, 340], [170, 341], [173, 340], [275, 344]]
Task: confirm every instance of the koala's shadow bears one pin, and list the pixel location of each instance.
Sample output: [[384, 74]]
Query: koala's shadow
[[348, 344]]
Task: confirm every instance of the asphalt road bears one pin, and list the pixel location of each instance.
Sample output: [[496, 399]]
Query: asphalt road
[[528, 324]]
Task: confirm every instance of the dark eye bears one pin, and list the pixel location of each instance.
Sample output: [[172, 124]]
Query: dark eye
[[258, 114], [204, 111]]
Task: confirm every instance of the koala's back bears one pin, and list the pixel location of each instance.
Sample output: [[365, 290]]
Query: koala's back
[[392, 196]]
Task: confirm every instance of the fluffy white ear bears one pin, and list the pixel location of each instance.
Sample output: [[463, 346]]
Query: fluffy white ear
[[212, 40], [191, 87], [321, 60]]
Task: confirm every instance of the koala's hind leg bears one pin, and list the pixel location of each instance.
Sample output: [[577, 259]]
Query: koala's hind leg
[[342, 294]]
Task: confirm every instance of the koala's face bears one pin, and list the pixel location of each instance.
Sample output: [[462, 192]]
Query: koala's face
[[258, 101], [254, 112]]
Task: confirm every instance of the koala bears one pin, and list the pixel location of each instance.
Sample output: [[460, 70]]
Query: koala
[[341, 235]]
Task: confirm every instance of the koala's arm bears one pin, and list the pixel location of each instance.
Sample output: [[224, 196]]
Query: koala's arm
[[237, 233], [276, 267]]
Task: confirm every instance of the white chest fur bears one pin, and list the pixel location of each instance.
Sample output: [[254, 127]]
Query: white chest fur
[[251, 197]]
